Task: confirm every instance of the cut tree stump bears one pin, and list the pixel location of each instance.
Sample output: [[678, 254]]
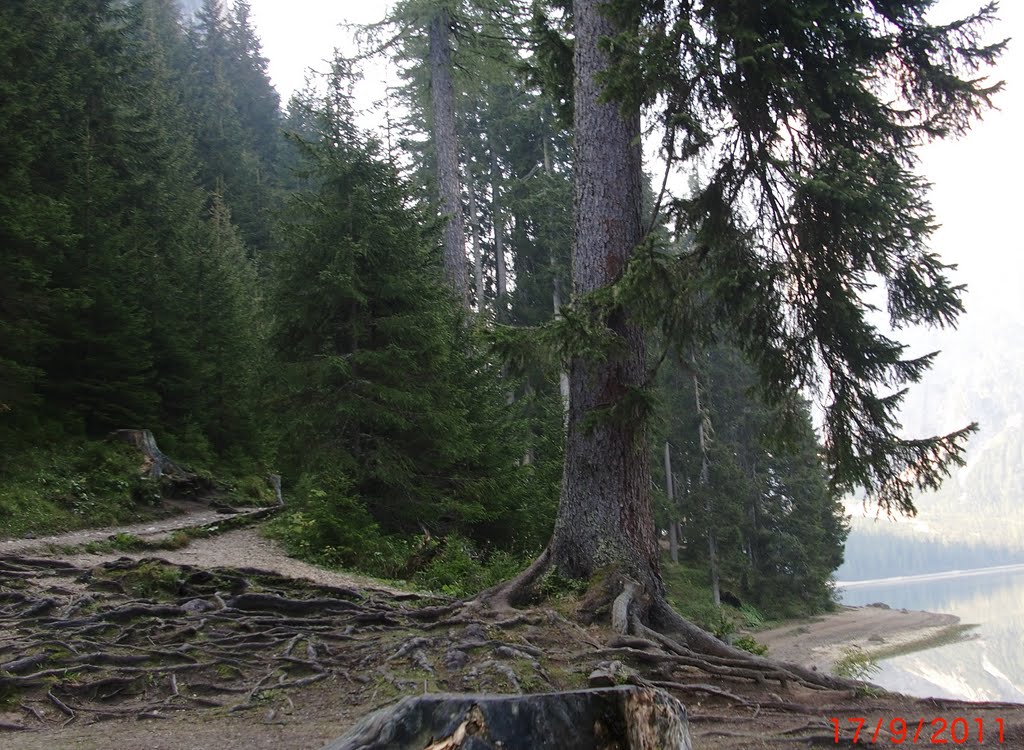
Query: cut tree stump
[[156, 465], [624, 718]]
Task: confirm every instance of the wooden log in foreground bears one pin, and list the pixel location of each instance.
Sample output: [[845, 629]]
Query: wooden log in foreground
[[625, 717]]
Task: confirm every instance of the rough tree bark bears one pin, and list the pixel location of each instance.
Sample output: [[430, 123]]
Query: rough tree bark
[[442, 96], [604, 515]]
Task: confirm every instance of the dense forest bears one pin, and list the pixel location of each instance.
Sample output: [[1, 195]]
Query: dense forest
[[391, 320]]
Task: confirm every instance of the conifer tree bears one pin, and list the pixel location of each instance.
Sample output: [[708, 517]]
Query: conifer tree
[[235, 111], [387, 392], [107, 227], [809, 116]]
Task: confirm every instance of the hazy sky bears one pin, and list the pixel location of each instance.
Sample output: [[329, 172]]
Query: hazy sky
[[978, 195]]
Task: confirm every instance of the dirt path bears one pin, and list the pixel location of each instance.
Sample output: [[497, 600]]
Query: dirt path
[[819, 642], [242, 548], [190, 515], [239, 548]]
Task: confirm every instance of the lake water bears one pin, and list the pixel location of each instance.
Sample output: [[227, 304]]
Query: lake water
[[988, 666]]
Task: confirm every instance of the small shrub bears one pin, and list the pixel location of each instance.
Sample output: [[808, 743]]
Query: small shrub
[[747, 643], [461, 570], [177, 540], [857, 664], [552, 586], [333, 528], [752, 617]]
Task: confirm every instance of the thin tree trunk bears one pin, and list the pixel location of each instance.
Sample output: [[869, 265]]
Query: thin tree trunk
[[704, 481], [755, 521], [498, 222], [563, 376], [670, 489], [556, 301], [604, 517], [478, 258], [442, 94]]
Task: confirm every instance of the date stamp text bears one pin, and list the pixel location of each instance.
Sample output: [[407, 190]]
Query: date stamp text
[[938, 731]]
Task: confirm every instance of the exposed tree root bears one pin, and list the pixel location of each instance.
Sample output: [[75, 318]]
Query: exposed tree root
[[651, 630], [168, 638]]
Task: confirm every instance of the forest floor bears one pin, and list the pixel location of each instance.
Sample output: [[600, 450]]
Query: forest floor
[[228, 643]]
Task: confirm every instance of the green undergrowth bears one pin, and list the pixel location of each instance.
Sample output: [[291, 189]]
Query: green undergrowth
[[453, 565], [689, 591], [79, 484], [73, 486], [326, 525]]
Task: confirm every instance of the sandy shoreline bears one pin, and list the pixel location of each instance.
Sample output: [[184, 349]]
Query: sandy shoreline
[[818, 642]]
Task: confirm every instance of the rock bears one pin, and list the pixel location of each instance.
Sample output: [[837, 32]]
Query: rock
[[625, 718], [196, 606], [474, 634], [879, 605], [876, 639], [609, 674], [454, 659]]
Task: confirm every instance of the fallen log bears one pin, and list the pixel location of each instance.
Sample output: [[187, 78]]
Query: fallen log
[[626, 717]]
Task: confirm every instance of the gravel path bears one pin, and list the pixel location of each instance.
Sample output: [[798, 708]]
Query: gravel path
[[240, 548], [194, 514]]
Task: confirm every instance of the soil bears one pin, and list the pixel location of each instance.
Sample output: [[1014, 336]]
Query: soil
[[228, 643]]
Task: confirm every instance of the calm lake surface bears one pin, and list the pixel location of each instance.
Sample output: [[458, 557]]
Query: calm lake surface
[[989, 666]]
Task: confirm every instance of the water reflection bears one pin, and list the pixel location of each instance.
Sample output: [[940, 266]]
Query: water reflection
[[988, 667]]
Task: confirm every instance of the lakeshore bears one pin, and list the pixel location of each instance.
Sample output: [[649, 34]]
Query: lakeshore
[[877, 630]]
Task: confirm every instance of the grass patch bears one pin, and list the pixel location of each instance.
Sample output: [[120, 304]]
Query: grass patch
[[79, 484], [333, 529], [688, 590]]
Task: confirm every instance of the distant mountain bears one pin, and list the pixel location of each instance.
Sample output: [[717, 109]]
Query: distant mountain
[[977, 517], [979, 376]]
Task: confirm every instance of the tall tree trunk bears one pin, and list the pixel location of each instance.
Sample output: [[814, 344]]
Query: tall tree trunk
[[604, 516], [442, 95], [556, 302], [498, 221], [478, 258], [563, 376], [702, 420], [670, 490]]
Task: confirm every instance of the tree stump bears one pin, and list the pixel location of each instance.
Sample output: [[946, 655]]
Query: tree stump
[[623, 718], [156, 465]]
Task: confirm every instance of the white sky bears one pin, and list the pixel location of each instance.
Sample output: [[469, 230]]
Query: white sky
[[977, 181]]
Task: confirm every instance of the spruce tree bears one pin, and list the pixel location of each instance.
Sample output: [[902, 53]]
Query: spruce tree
[[392, 407], [808, 116]]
